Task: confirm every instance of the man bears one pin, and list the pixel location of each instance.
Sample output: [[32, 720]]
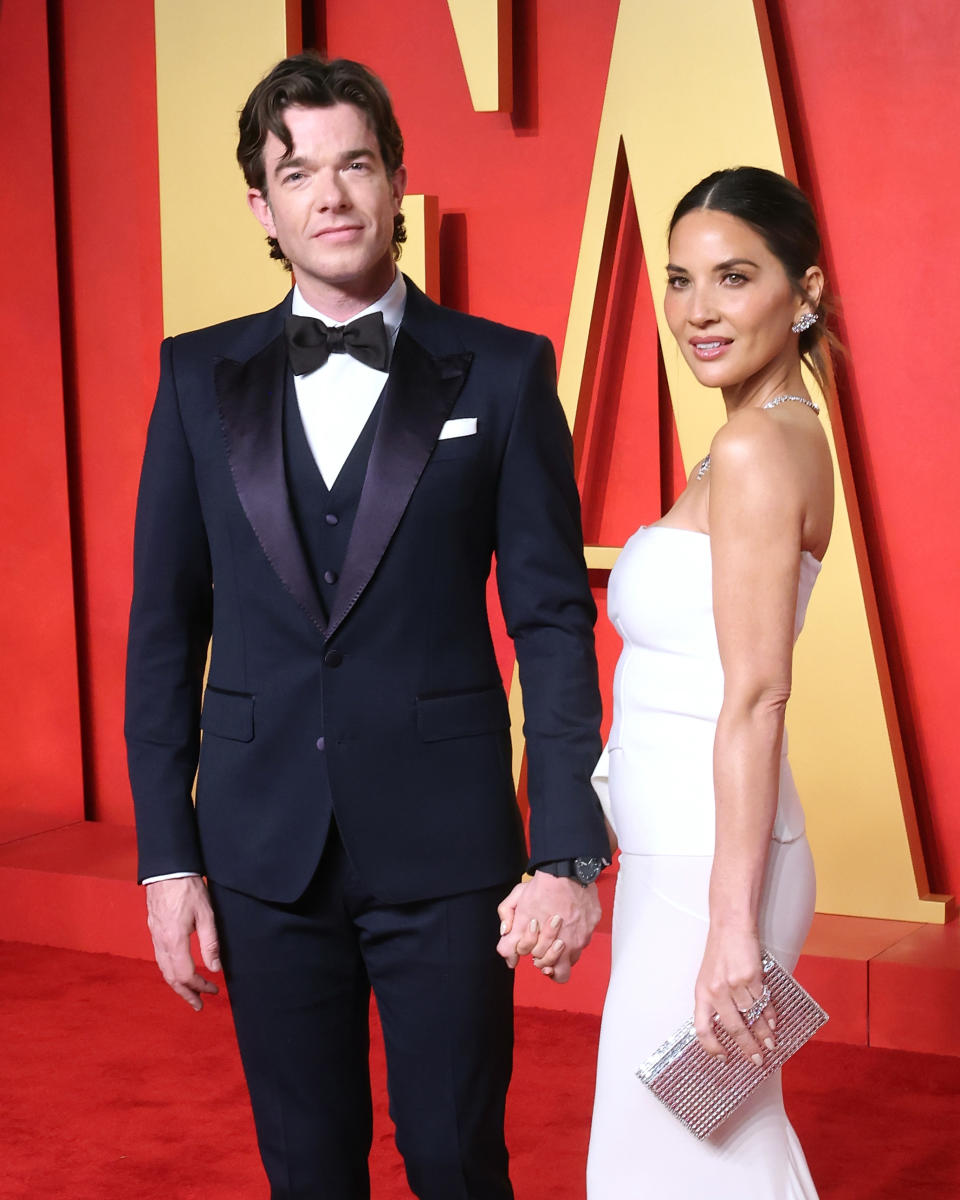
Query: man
[[323, 488]]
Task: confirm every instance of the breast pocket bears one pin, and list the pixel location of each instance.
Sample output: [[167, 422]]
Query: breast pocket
[[227, 714]]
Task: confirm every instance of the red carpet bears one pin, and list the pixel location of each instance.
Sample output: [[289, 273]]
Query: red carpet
[[112, 1088]]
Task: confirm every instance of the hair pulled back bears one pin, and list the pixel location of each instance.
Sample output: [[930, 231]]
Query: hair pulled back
[[310, 81], [782, 215]]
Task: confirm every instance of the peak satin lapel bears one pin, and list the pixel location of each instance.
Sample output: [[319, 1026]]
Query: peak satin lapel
[[418, 398], [250, 396]]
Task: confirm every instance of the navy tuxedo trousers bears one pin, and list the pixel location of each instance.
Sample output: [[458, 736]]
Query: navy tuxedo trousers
[[299, 977]]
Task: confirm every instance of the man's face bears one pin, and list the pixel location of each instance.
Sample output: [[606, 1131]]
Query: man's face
[[331, 206]]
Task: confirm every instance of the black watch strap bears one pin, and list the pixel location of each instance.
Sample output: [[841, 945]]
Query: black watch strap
[[563, 868], [583, 870]]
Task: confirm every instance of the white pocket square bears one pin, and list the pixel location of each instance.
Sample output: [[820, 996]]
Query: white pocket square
[[458, 427]]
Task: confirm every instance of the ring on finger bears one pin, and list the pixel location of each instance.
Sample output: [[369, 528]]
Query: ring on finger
[[754, 1010]]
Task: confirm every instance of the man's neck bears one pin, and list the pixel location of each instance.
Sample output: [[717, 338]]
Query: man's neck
[[343, 302]]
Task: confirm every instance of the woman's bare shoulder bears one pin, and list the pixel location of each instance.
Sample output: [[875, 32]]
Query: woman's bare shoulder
[[748, 441], [758, 440]]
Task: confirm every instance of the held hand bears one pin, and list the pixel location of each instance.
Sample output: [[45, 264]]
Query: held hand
[[535, 913], [175, 907], [507, 910], [729, 983]]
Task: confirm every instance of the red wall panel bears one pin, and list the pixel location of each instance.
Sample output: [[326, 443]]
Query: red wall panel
[[40, 768], [110, 222], [875, 110]]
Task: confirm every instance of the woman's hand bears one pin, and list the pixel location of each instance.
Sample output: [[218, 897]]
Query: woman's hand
[[729, 984], [546, 953]]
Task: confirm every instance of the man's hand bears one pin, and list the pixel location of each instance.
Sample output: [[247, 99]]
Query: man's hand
[[550, 918], [175, 907]]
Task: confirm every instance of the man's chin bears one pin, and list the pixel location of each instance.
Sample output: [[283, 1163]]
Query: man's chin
[[352, 276]]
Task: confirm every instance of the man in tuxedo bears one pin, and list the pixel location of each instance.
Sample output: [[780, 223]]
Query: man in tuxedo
[[324, 487]]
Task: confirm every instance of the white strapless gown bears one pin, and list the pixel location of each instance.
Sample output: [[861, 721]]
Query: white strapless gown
[[668, 688]]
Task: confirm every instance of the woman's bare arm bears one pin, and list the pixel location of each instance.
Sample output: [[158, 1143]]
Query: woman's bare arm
[[757, 509]]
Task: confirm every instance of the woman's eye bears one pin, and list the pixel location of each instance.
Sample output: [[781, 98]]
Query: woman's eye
[[734, 278], [677, 281]]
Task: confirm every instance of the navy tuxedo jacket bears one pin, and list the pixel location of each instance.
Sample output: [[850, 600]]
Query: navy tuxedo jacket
[[399, 681]]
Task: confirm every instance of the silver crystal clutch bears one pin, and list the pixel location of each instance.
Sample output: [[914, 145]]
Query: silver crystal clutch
[[700, 1090]]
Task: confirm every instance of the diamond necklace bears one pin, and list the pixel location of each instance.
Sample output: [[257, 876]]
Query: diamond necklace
[[705, 464]]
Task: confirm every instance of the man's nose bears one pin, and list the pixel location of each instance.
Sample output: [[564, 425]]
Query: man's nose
[[329, 192]]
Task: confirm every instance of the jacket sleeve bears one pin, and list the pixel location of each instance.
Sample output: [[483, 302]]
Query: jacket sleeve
[[550, 614], [170, 620]]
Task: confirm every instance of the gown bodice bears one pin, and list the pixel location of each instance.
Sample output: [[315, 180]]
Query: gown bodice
[[667, 693]]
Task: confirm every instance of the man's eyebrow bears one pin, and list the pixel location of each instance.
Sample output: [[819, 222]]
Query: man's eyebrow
[[352, 155], [288, 164]]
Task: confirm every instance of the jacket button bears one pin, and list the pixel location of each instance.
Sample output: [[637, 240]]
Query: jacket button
[[333, 658], [332, 519], [329, 577], [320, 743]]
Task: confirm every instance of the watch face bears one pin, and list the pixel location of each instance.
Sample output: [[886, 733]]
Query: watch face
[[588, 869]]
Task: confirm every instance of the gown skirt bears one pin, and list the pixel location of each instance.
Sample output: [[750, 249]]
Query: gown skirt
[[638, 1149], [655, 781]]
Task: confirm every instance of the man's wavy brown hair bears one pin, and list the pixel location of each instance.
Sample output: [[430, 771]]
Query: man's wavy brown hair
[[312, 82]]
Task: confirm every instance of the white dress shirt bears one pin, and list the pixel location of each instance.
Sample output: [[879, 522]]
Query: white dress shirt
[[335, 403], [337, 399]]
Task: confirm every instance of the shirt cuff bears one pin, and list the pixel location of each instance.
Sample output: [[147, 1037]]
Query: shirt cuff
[[172, 875]]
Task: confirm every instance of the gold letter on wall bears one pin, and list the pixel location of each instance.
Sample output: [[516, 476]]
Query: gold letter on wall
[[215, 261], [484, 35]]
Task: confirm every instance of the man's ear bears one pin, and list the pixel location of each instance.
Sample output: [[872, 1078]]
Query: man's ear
[[398, 185], [260, 207]]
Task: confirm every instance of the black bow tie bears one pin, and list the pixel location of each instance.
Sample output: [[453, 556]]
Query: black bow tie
[[310, 343]]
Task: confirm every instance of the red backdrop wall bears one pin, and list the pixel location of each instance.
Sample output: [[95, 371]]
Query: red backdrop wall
[[872, 105], [41, 782]]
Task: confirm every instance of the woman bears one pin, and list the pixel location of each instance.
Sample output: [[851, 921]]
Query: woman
[[709, 601]]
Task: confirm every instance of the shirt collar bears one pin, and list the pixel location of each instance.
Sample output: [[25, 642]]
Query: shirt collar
[[391, 304]]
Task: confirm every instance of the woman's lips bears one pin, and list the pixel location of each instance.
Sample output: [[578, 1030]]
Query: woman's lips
[[709, 348]]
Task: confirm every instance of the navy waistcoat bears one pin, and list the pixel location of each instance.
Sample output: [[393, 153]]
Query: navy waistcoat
[[324, 515]]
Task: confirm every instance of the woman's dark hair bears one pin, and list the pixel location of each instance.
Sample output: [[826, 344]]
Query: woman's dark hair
[[783, 217], [311, 82]]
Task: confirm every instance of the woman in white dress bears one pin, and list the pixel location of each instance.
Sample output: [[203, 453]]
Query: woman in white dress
[[709, 601]]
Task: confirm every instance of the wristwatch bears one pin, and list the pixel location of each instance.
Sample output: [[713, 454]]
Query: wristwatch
[[583, 870]]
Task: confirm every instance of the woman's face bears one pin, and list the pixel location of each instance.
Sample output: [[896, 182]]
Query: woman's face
[[729, 302]]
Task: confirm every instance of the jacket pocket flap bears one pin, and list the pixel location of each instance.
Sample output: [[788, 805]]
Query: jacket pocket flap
[[227, 714], [462, 714]]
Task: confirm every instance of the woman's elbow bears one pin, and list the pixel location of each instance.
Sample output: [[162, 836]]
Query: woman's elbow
[[763, 703]]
